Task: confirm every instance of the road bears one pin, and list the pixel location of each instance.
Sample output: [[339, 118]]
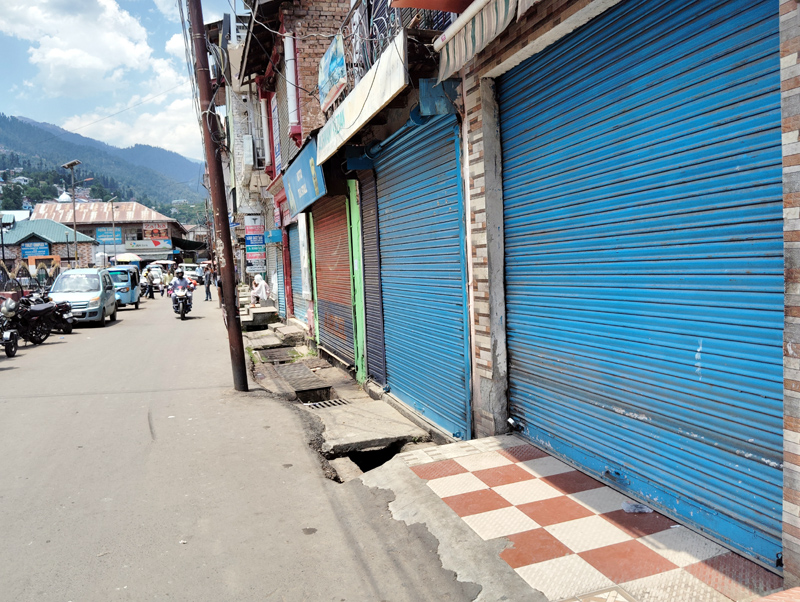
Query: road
[[130, 470]]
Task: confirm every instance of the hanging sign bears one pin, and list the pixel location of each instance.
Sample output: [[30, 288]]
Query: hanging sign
[[332, 73], [255, 250], [303, 179]]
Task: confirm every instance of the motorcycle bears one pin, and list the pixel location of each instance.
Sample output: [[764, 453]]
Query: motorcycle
[[32, 322], [9, 337], [61, 319], [183, 300]]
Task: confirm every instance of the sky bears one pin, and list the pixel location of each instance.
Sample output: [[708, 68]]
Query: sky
[[113, 70]]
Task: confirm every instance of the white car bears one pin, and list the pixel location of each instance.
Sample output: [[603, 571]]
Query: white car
[[193, 271]]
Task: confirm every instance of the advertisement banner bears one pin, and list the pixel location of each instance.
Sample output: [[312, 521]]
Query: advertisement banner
[[253, 239], [34, 249], [303, 181], [332, 73], [155, 230], [275, 236], [160, 244], [105, 237]]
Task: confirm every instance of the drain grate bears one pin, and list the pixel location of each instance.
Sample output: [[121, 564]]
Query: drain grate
[[330, 403], [277, 355]]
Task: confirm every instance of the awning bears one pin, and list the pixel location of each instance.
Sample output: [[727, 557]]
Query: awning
[[481, 23], [188, 245]]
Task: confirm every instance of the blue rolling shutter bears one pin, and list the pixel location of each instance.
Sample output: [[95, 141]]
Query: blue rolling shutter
[[644, 259], [423, 274], [300, 304]]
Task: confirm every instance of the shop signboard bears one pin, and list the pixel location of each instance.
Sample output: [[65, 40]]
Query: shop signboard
[[255, 250], [34, 249], [105, 237], [332, 73], [303, 180]]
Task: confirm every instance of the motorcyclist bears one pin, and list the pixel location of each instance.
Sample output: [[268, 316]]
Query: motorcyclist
[[178, 282]]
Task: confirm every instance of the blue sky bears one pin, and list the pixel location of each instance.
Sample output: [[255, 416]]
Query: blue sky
[[74, 63]]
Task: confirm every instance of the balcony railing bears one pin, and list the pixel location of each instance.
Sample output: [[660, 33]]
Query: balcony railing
[[369, 29]]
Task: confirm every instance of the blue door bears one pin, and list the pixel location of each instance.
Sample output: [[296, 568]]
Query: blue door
[[300, 304], [281, 286], [644, 259], [423, 273]]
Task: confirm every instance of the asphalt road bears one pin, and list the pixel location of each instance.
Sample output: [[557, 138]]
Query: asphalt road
[[129, 470]]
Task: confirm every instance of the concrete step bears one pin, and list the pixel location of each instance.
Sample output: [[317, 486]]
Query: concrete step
[[290, 335]]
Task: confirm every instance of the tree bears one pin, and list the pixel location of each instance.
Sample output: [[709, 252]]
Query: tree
[[34, 193], [12, 197]]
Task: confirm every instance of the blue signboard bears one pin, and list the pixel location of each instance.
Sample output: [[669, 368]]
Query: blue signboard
[[332, 73], [34, 249], [303, 180], [274, 236], [105, 237], [253, 239]]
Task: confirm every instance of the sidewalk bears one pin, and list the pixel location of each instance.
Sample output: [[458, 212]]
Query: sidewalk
[[563, 533]]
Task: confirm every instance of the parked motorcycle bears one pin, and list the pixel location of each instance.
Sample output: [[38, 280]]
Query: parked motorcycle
[[183, 300], [32, 322], [61, 319], [9, 337]]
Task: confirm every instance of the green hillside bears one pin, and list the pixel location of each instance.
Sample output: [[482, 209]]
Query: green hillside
[[41, 150]]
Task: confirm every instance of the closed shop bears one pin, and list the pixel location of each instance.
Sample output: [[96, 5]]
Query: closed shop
[[275, 267], [644, 259], [300, 304], [423, 275], [333, 282], [376, 354]]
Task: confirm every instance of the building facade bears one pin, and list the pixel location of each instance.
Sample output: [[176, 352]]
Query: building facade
[[574, 219]]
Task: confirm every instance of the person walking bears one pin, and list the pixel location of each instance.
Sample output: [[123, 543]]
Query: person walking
[[208, 276]]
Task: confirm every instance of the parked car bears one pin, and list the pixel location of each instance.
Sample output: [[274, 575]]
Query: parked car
[[193, 271], [90, 292], [126, 281]]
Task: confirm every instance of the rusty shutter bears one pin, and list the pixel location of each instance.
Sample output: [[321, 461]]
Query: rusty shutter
[[334, 295], [376, 352]]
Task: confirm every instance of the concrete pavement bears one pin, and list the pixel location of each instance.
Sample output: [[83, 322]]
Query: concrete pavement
[[129, 470]]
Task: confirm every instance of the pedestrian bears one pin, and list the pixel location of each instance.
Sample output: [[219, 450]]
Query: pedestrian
[[259, 292], [151, 282], [207, 278]]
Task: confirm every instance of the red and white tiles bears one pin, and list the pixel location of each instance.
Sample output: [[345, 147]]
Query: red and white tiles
[[569, 536]]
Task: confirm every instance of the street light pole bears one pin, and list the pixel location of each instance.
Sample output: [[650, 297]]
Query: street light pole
[[113, 226], [211, 134], [71, 167]]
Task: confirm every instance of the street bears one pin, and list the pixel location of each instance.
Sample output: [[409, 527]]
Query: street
[[130, 470]]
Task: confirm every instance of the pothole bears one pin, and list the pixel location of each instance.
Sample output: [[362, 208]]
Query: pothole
[[370, 459]]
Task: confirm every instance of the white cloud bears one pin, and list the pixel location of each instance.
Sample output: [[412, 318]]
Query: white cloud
[[169, 8], [173, 126], [79, 47], [176, 47]]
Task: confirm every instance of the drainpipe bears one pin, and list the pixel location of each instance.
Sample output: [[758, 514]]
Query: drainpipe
[[414, 120], [290, 58]]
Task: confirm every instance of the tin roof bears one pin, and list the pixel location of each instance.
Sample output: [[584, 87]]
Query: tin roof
[[45, 229], [100, 213]]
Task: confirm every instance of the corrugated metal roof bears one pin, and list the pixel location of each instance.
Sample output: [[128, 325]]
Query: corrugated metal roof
[[46, 229], [100, 213]]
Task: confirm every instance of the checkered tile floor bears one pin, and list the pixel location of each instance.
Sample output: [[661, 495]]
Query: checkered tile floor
[[569, 537]]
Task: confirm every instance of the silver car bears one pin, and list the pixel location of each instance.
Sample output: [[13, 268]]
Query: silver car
[[90, 292]]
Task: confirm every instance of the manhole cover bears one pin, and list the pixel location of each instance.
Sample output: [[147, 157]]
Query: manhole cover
[[331, 403], [300, 377], [278, 355]]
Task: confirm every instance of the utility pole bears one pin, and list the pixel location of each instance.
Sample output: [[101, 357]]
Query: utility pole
[[211, 133], [71, 167]]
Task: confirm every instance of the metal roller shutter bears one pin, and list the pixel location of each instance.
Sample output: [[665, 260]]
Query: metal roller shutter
[[334, 294], [300, 304], [376, 354], [423, 275], [644, 259]]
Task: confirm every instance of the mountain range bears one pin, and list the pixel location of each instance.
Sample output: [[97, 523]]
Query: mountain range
[[160, 174]]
